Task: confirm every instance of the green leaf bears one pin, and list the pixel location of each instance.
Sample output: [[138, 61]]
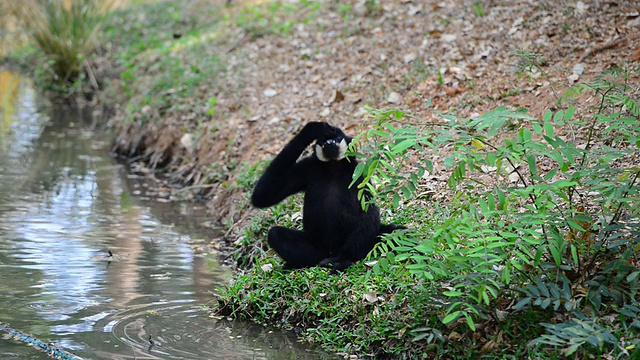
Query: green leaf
[[396, 200], [569, 114], [449, 161], [542, 287], [522, 303], [574, 254], [403, 145], [451, 317], [574, 225], [531, 160], [557, 256], [571, 349], [548, 129], [545, 303], [558, 116], [563, 183], [470, 323], [357, 172], [483, 206], [548, 176], [429, 165], [537, 128], [501, 199], [533, 290], [583, 218]]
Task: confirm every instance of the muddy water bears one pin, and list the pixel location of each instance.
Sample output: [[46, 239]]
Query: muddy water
[[63, 205]]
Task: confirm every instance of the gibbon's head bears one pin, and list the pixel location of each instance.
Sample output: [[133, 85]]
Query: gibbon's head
[[332, 146]]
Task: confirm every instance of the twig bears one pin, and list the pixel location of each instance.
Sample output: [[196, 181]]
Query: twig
[[192, 187], [607, 46], [238, 42], [92, 77]]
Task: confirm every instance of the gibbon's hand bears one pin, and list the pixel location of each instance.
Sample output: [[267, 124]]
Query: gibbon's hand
[[316, 129], [323, 131]]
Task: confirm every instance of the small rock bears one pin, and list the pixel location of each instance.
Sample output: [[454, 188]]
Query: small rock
[[413, 10], [448, 37], [410, 57], [360, 113], [394, 97], [270, 93], [487, 169], [325, 112], [187, 141]]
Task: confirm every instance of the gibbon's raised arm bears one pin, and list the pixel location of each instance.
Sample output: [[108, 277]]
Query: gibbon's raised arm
[[284, 177]]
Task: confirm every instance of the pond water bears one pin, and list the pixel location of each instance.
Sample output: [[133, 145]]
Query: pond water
[[63, 205]]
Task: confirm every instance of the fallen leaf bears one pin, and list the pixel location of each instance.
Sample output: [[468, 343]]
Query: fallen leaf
[[270, 93], [267, 267], [336, 96], [371, 297]]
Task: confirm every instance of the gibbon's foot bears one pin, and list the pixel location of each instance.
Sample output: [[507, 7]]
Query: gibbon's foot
[[336, 264]]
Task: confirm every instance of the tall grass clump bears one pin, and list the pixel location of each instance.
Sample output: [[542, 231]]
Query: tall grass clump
[[66, 31]]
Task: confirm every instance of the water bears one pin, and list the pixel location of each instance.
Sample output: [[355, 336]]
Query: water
[[63, 204]]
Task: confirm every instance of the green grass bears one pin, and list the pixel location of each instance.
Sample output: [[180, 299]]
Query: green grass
[[169, 58], [66, 32]]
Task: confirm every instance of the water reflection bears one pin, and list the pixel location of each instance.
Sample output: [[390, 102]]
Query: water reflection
[[63, 205]]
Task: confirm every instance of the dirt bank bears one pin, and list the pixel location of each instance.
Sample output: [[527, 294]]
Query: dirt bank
[[279, 66]]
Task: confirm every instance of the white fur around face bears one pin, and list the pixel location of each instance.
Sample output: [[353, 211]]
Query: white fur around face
[[320, 154], [342, 149]]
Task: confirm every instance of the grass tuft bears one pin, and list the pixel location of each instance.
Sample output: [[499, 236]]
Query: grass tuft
[[66, 31]]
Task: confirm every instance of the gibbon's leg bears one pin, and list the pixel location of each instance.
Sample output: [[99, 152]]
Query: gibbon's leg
[[357, 244], [361, 240], [294, 247]]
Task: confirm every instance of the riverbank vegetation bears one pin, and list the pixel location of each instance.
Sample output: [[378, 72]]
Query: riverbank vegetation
[[66, 33], [530, 251], [504, 135]]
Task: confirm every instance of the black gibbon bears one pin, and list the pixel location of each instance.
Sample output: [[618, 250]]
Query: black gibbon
[[337, 231]]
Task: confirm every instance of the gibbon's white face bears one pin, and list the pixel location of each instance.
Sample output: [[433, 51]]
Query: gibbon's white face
[[331, 150]]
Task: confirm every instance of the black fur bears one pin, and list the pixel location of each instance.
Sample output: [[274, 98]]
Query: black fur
[[337, 232]]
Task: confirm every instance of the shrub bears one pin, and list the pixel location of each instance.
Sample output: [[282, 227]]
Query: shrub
[[544, 217]]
